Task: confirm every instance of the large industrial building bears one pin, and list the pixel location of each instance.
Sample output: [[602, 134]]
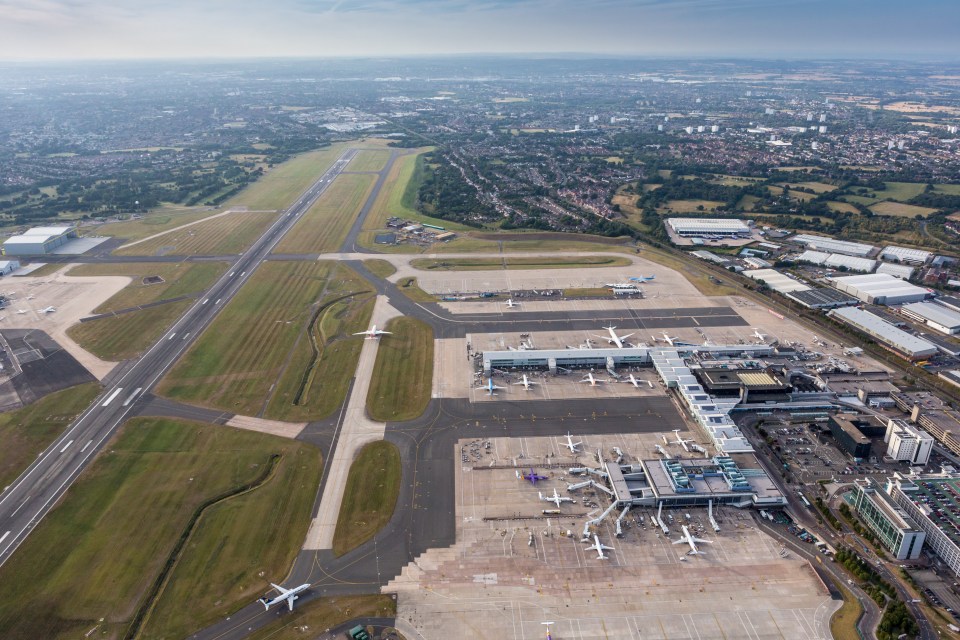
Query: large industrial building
[[881, 288], [779, 282], [822, 298], [895, 529], [830, 245], [38, 241], [905, 255], [932, 502], [706, 227], [837, 261], [907, 345], [935, 316], [902, 271], [906, 443]]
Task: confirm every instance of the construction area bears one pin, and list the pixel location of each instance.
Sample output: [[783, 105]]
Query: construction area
[[522, 559]]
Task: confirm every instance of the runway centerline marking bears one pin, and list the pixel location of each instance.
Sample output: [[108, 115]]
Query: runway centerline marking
[[66, 446], [113, 395]]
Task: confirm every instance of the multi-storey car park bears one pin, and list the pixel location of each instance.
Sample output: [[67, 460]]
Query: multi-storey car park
[[933, 502]]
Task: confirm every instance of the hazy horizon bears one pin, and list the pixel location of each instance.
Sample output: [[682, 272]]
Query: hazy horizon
[[62, 30]]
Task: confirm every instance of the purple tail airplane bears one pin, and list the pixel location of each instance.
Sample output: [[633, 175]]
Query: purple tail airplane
[[533, 477]]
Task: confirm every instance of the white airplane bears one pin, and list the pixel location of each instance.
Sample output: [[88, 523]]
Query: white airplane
[[526, 382], [556, 498], [511, 304], [642, 279], [681, 441], [490, 387], [688, 539], [632, 380], [372, 333], [599, 548], [570, 444], [48, 310], [670, 340], [758, 335], [593, 381], [613, 338], [286, 595]]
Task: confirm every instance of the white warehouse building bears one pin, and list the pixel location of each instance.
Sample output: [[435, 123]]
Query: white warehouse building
[[881, 288], [907, 345], [38, 241], [837, 261], [698, 227], [936, 316], [905, 255], [830, 245]]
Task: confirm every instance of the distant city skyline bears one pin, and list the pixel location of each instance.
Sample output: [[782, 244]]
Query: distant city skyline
[[131, 29]]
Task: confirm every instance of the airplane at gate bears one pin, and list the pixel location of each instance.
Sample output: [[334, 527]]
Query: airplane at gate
[[593, 381], [373, 333], [570, 444], [599, 548], [556, 498], [632, 380], [490, 387], [613, 338], [286, 595], [688, 539], [526, 382]]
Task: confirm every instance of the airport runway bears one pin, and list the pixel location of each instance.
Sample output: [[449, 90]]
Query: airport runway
[[25, 502]]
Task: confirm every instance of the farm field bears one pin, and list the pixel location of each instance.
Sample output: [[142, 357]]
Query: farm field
[[735, 181], [25, 432], [322, 362], [689, 206], [326, 613], [92, 562], [842, 207], [816, 187], [902, 210], [157, 220], [400, 384], [369, 160], [483, 264], [900, 191], [370, 496], [179, 279], [224, 235], [325, 225], [281, 185], [948, 189]]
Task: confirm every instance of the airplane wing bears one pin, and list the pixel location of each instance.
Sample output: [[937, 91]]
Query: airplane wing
[[282, 591], [362, 333], [624, 337], [389, 333], [290, 602], [698, 541], [680, 541]]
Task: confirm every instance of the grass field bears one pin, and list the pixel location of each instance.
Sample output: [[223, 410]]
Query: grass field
[[410, 288], [697, 278], [369, 497], [512, 244], [900, 210], [224, 235], [325, 613], [482, 264], [322, 362], [25, 432], [240, 356], [380, 268], [689, 206], [369, 160], [402, 377], [843, 624], [843, 207], [91, 564], [816, 187], [281, 185], [179, 279], [949, 189], [899, 191], [157, 220], [117, 338], [47, 270], [735, 181], [323, 228]]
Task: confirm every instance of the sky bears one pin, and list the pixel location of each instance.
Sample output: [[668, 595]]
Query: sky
[[132, 29]]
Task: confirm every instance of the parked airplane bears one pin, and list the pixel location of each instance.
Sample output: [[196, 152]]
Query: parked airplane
[[632, 380], [758, 335], [511, 304], [490, 387], [599, 548], [688, 539], [286, 595], [670, 340], [613, 338], [533, 476], [526, 382], [681, 441], [570, 444], [372, 333], [556, 498], [48, 310], [593, 381], [642, 279]]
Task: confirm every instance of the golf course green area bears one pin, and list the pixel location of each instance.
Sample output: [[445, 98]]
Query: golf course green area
[[280, 347], [402, 379], [128, 334], [26, 432], [370, 496], [325, 225], [174, 526], [326, 613], [546, 262]]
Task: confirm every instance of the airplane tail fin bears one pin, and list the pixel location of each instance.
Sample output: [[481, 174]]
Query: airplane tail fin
[[265, 603]]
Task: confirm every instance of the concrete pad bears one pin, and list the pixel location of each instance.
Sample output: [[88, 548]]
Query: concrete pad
[[273, 427], [450, 362], [356, 430]]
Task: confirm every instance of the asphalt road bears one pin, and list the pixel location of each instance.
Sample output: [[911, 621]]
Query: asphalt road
[[25, 502]]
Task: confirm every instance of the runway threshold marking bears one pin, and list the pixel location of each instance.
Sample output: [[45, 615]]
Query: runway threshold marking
[[66, 446], [113, 395], [132, 396]]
